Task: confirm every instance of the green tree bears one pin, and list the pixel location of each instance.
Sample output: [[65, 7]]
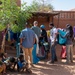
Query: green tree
[[13, 14], [42, 5]]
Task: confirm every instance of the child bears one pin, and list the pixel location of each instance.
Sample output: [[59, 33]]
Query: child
[[4, 56], [2, 66], [21, 65]]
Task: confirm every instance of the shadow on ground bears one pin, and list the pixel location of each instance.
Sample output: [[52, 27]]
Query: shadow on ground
[[46, 68]]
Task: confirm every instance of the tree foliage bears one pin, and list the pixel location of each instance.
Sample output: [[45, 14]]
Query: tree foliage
[[42, 5], [14, 15]]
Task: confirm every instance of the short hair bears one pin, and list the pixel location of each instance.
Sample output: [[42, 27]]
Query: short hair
[[35, 22], [51, 24], [21, 56], [27, 23]]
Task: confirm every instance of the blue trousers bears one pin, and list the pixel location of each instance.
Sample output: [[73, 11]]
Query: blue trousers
[[53, 52]]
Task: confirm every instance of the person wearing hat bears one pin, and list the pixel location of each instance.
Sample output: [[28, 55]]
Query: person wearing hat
[[27, 40], [53, 41], [43, 33], [43, 41]]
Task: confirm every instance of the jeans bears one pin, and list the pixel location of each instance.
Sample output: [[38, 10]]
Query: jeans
[[53, 52]]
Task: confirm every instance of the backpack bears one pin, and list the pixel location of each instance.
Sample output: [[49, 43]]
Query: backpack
[[61, 40]]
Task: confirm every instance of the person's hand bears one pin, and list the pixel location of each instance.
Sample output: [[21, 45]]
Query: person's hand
[[20, 45], [74, 38], [53, 43], [58, 33]]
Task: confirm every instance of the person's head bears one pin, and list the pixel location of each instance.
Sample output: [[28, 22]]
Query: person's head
[[12, 59], [21, 57], [51, 25], [42, 27], [70, 28], [27, 24], [35, 23]]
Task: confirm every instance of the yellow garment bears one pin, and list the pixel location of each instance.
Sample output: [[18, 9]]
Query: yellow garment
[[48, 33], [1, 69]]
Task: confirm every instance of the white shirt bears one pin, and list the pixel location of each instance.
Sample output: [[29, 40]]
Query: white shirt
[[53, 32]]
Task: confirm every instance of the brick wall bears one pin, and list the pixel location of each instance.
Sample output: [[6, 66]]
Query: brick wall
[[41, 20], [65, 17]]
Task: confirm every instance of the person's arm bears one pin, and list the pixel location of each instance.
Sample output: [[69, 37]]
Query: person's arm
[[34, 35], [55, 37], [21, 39], [56, 33], [34, 40], [64, 36]]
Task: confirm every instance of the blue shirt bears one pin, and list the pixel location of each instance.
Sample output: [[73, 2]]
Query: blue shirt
[[28, 37]]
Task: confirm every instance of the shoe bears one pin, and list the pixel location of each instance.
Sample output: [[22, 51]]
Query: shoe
[[52, 62], [68, 62], [55, 60]]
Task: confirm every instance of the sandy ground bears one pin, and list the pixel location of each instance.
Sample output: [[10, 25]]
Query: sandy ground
[[46, 68]]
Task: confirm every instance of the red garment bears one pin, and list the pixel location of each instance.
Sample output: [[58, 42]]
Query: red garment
[[63, 52]]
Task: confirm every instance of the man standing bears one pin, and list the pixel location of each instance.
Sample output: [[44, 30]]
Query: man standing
[[27, 40], [36, 29], [53, 40]]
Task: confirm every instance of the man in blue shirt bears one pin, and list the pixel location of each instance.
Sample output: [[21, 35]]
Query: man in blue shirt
[[27, 40]]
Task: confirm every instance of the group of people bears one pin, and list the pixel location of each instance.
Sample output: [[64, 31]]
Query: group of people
[[28, 39], [68, 45], [38, 35]]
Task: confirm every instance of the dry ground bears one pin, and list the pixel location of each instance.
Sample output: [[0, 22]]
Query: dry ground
[[45, 68]]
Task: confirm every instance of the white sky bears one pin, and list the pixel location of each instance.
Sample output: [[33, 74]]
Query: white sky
[[58, 4]]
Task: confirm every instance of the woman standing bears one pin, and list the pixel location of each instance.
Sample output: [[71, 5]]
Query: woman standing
[[69, 43]]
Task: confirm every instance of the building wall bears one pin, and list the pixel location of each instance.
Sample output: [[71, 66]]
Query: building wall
[[65, 17], [60, 21], [41, 20]]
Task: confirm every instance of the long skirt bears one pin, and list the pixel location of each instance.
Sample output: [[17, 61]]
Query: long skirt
[[35, 58], [63, 52]]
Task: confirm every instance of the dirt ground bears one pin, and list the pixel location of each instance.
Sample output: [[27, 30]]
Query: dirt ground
[[45, 68]]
